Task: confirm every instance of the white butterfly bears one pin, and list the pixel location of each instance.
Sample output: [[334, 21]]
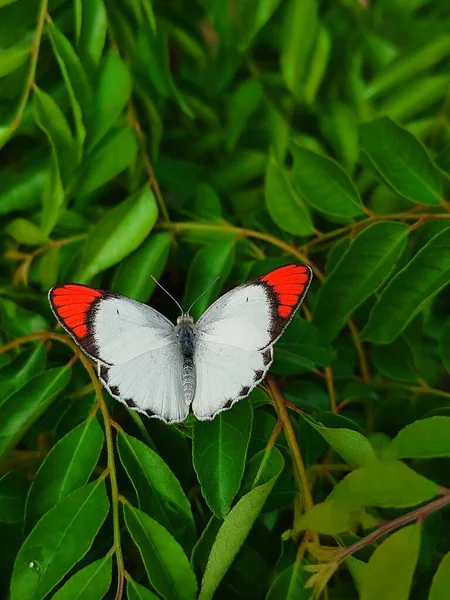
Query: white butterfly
[[161, 369]]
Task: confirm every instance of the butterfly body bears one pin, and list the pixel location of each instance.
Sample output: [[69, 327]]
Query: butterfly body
[[164, 370]]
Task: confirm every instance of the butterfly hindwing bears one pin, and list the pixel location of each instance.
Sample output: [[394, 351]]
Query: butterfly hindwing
[[235, 336]]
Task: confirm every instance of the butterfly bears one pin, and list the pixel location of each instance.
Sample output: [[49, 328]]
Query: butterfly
[[163, 370]]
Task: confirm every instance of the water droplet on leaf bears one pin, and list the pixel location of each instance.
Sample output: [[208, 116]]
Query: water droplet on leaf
[[34, 565]]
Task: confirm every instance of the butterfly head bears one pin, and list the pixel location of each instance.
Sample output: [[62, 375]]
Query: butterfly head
[[185, 319]]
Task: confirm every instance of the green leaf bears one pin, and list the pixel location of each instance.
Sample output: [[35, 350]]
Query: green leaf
[[132, 278], [402, 160], [53, 196], [167, 566], [324, 185], [243, 103], [111, 156], [210, 262], [135, 591], [92, 30], [111, 96], [442, 161], [386, 484], [329, 518], [444, 346], [26, 232], [252, 17], [24, 368], [302, 345], [427, 438], [365, 265], [232, 534], [92, 581], [290, 584], [158, 491], [441, 580], [12, 58], [351, 445], [283, 203], [76, 81], [60, 539], [219, 453], [297, 40], [13, 493], [390, 570], [52, 121], [118, 233], [395, 360], [48, 268], [23, 408], [18, 321], [405, 295], [66, 467]]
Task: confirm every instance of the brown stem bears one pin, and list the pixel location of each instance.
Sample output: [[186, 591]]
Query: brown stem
[[331, 389]]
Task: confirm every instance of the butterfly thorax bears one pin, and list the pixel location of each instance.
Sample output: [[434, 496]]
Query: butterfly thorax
[[185, 331]]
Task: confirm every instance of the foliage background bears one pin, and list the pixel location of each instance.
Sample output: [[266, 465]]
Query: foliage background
[[195, 139]]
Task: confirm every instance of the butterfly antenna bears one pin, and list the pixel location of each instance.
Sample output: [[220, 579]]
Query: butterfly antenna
[[203, 293], [170, 295]]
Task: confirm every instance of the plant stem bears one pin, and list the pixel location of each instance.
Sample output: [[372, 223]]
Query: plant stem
[[331, 389]]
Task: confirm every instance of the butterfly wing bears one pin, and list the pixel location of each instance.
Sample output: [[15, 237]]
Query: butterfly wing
[[235, 336], [135, 347]]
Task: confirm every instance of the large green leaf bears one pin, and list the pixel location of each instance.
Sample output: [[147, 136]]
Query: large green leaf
[[367, 262], [26, 232], [91, 24], [405, 295], [402, 160], [135, 591], [290, 584], [24, 368], [167, 566], [92, 581], [444, 345], [66, 467], [17, 321], [428, 438], [242, 105], [210, 262], [13, 493], [232, 534], [285, 206], [118, 233], [23, 408], [132, 278], [12, 58], [329, 518], [159, 493], [219, 453], [390, 569], [60, 539], [324, 185], [441, 580]]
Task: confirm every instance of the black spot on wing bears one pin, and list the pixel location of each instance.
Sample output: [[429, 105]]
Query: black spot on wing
[[114, 389], [244, 391], [149, 413], [103, 373], [130, 403], [267, 357], [228, 404], [258, 375]]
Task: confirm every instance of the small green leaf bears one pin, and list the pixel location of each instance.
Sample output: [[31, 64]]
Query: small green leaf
[[297, 40], [390, 570], [158, 491], [18, 321], [395, 360], [132, 278], [135, 591], [92, 581], [53, 196], [24, 368], [329, 518], [48, 268], [26, 232], [92, 30], [111, 96], [427, 438], [405, 295], [351, 445], [112, 155], [72, 525], [302, 345], [118, 233], [13, 493], [242, 105], [66, 467], [23, 408], [441, 580], [290, 584], [283, 203], [323, 184], [232, 534], [219, 453], [12, 58], [386, 484], [210, 262], [442, 161], [167, 566], [367, 262], [252, 17], [402, 160]]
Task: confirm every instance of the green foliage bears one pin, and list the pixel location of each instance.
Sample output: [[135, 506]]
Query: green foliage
[[191, 140]]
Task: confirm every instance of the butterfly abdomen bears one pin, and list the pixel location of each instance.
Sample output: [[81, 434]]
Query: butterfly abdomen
[[186, 338]]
